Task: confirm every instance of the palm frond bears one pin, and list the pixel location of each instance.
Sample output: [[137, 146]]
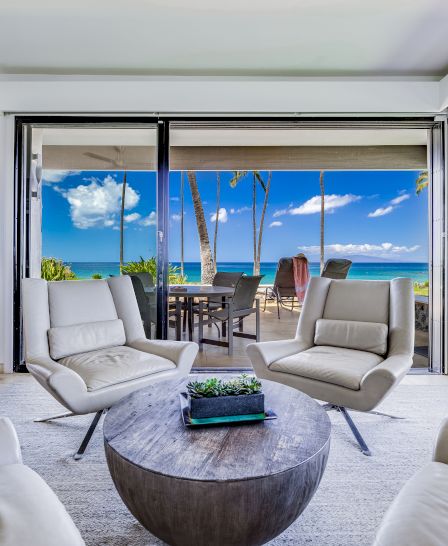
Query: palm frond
[[422, 182], [237, 176]]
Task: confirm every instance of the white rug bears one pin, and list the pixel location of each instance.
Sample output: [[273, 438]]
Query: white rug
[[346, 510]]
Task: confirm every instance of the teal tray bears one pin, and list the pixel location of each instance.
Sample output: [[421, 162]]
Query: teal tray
[[227, 420]]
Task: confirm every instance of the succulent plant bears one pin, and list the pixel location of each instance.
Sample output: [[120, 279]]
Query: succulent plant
[[209, 388]]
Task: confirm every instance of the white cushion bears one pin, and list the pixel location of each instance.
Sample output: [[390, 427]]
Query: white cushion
[[363, 336], [30, 513], [107, 367], [419, 514], [343, 367], [77, 302], [80, 338], [365, 301]]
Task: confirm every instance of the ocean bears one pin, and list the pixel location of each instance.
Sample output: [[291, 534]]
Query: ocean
[[418, 272]]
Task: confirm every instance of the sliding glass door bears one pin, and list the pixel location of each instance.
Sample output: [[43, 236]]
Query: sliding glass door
[[89, 205]]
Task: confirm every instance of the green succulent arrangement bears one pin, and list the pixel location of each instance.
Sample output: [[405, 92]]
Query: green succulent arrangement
[[244, 384]]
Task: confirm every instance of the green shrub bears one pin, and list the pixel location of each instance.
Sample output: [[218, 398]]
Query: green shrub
[[97, 276], [210, 388], [53, 269], [150, 266]]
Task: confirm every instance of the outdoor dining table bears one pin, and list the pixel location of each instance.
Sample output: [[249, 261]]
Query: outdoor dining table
[[189, 293]]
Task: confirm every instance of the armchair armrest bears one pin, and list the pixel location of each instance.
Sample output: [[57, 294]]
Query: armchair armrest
[[382, 378], [265, 353], [10, 452], [182, 353], [440, 454]]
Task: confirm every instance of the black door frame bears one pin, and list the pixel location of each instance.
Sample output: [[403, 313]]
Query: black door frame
[[22, 186]]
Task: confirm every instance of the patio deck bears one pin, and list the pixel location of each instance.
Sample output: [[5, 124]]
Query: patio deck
[[271, 329]]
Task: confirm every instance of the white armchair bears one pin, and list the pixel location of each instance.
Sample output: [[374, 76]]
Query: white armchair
[[85, 344], [30, 513], [419, 514], [354, 344]]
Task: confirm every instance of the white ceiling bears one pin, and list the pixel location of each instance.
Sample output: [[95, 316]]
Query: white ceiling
[[87, 136], [225, 37]]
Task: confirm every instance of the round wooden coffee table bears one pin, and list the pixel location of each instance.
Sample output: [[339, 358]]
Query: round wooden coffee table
[[220, 486]]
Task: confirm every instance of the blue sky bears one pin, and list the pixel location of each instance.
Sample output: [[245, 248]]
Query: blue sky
[[371, 214]]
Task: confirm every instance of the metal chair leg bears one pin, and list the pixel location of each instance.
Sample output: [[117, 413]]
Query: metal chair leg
[[80, 453], [61, 416], [384, 414], [363, 446]]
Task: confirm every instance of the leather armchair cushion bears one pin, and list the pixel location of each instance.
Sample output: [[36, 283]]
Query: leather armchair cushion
[[30, 513], [81, 338], [335, 365], [363, 336], [77, 302], [366, 301], [106, 367], [419, 514]]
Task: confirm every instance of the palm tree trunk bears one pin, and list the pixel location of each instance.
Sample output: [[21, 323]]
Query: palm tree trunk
[[254, 219], [215, 238], [322, 221], [182, 223], [260, 231], [123, 199], [207, 268]]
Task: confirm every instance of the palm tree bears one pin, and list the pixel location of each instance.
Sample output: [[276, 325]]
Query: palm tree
[[218, 198], [256, 177], [207, 265], [182, 223], [422, 182], [322, 221]]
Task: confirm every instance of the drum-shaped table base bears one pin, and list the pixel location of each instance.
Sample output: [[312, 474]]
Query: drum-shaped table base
[[226, 486]]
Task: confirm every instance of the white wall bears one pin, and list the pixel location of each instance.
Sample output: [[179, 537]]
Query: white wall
[[6, 239], [186, 94]]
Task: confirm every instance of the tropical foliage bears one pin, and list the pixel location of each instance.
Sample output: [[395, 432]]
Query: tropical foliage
[[150, 266], [53, 269], [422, 182], [212, 387], [257, 232], [97, 276]]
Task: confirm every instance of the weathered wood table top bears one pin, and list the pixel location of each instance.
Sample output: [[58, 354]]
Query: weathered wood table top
[[146, 429]]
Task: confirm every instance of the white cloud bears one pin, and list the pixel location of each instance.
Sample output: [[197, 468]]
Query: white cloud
[[177, 216], [400, 199], [381, 250], [174, 198], [390, 207], [150, 220], [133, 217], [312, 206], [382, 211], [222, 216], [98, 203], [276, 224], [240, 210], [55, 175]]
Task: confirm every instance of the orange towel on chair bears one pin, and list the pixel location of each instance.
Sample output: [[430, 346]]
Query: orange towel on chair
[[301, 276]]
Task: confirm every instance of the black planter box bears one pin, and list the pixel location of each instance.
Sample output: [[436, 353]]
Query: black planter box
[[223, 406]]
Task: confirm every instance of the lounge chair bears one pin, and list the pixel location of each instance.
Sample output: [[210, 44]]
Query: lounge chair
[[284, 286], [336, 268], [146, 304]]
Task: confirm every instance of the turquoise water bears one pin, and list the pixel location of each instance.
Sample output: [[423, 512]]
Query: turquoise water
[[418, 272]]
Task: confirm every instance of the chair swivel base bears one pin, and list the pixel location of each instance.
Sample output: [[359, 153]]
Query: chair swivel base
[[82, 448], [361, 442]]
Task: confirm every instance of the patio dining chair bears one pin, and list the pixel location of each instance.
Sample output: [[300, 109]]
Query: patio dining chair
[[336, 268], [146, 303], [284, 286], [232, 315]]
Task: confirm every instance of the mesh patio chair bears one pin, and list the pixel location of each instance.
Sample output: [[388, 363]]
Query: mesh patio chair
[[336, 268], [146, 303], [233, 316], [284, 286]]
